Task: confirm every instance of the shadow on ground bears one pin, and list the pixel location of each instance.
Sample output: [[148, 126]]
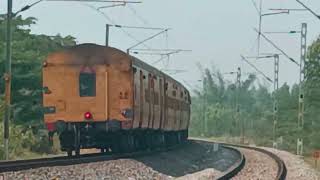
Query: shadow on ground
[[190, 158]]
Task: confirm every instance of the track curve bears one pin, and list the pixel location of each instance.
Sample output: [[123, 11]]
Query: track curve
[[6, 166], [282, 169]]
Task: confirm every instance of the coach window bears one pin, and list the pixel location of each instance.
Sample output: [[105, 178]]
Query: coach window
[[166, 86], [174, 93], [87, 84]]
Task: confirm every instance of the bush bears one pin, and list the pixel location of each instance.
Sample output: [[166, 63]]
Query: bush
[[23, 141]]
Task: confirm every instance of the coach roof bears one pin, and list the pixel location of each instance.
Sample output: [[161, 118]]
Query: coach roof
[[89, 54], [93, 54]]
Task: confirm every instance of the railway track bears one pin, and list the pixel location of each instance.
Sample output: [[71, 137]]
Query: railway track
[[17, 165], [281, 167], [14, 166], [233, 171], [236, 168]]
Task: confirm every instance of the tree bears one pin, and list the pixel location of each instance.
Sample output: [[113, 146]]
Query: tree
[[28, 52]]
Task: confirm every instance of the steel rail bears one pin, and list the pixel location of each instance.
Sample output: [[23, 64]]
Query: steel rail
[[9, 166], [282, 169], [236, 168], [17, 165]]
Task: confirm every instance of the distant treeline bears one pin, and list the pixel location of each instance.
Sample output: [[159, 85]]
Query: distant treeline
[[216, 103]]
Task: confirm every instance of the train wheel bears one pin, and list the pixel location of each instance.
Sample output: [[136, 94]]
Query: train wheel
[[154, 140], [178, 138], [162, 140], [125, 147], [115, 148], [115, 143], [136, 142], [147, 141], [77, 152], [77, 140], [69, 152], [131, 144]]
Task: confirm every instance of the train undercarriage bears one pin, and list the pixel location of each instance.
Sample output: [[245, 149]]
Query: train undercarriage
[[76, 136]]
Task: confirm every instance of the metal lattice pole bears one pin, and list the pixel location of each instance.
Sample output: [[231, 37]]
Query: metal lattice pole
[[301, 90], [240, 125], [275, 101], [205, 106]]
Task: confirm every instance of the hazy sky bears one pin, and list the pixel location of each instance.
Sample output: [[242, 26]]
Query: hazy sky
[[217, 32]]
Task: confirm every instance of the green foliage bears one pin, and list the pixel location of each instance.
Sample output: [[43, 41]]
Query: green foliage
[[28, 52], [24, 140], [215, 108]]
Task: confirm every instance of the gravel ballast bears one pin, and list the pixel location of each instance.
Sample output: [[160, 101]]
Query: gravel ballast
[[192, 161], [191, 158], [115, 169], [297, 168], [188, 161], [258, 166]]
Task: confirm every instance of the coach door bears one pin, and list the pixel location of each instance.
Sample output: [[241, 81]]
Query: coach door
[[161, 91], [146, 99], [53, 97], [137, 78]]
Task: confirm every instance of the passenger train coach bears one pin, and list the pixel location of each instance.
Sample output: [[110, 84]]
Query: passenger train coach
[[100, 97]]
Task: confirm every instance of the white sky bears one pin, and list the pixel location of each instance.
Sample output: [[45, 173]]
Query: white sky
[[217, 32]]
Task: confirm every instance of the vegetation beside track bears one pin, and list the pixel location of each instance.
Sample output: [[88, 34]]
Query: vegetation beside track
[[214, 102], [255, 98], [26, 137]]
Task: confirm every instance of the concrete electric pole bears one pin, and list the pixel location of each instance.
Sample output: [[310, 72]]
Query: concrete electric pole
[[7, 78]]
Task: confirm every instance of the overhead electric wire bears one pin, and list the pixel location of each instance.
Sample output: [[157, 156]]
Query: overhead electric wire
[[138, 27], [114, 5], [283, 32], [310, 10], [135, 13], [174, 51], [283, 9], [162, 50], [279, 49], [166, 55], [149, 38], [113, 23], [173, 71], [159, 60], [99, 1], [255, 5], [253, 66]]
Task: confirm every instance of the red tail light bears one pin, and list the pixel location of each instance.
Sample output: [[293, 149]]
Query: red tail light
[[51, 127], [87, 115]]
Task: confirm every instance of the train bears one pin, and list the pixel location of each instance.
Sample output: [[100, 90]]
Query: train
[[101, 97]]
